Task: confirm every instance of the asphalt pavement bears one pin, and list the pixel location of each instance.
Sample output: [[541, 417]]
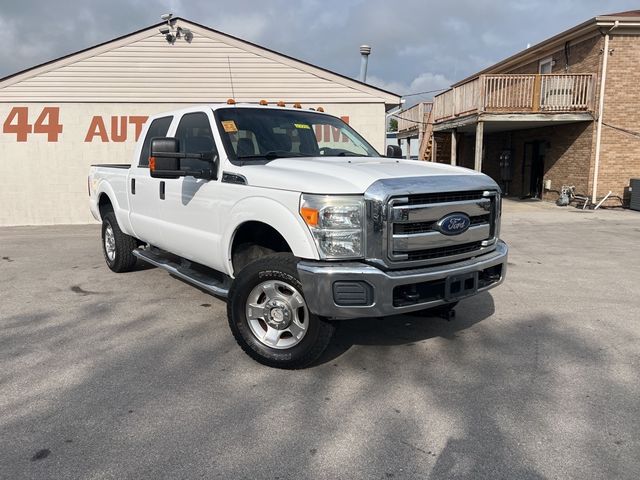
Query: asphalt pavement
[[136, 375]]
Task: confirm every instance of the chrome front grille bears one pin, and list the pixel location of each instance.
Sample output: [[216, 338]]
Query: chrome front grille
[[412, 234], [421, 227], [426, 198]]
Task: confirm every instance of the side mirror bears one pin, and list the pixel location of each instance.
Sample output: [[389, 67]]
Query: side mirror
[[164, 161], [394, 151]]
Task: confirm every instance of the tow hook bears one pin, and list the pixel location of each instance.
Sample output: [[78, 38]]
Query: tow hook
[[447, 314]]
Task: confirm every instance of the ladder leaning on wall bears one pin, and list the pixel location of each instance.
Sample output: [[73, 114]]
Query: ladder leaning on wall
[[426, 143]]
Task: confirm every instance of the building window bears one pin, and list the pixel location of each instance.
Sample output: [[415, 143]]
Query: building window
[[545, 65]]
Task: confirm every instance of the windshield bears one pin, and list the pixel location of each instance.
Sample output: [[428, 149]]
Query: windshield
[[263, 134]]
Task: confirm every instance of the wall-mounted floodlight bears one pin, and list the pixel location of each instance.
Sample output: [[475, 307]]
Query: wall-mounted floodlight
[[172, 33]]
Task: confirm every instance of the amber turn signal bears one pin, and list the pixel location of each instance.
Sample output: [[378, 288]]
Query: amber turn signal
[[152, 163], [310, 216]]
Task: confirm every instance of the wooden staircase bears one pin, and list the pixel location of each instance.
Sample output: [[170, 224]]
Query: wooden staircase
[[426, 145]]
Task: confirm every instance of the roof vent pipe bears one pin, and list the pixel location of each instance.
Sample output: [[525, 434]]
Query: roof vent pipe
[[365, 50]]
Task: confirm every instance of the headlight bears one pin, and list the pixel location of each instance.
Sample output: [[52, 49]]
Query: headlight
[[336, 223]]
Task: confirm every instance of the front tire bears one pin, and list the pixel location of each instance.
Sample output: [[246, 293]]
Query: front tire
[[269, 317], [117, 246]]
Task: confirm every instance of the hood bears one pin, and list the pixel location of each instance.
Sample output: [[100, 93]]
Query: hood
[[336, 175]]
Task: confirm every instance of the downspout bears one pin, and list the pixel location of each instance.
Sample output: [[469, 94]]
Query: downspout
[[603, 81]]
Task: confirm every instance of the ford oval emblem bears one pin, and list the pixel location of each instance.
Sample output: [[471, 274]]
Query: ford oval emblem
[[454, 224]]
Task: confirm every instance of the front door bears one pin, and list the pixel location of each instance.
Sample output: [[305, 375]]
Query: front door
[[191, 209], [532, 170]]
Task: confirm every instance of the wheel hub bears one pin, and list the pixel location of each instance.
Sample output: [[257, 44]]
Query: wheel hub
[[110, 243], [278, 314]]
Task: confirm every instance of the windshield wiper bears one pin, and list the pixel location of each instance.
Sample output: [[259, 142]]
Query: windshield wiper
[[349, 154], [272, 155]]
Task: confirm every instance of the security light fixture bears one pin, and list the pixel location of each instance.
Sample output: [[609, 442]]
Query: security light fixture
[[172, 33]]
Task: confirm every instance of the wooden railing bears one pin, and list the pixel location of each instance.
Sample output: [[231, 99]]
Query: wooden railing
[[516, 93], [413, 119]]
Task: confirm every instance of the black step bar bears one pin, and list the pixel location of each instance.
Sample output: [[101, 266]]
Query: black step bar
[[183, 270]]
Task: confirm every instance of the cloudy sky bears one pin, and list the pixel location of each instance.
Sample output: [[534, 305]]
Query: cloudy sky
[[417, 45]]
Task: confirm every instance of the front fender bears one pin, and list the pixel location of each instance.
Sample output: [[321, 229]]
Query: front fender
[[283, 218]]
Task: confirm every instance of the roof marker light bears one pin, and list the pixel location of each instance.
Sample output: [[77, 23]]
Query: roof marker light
[[281, 103], [320, 109], [297, 105], [264, 102], [231, 101]]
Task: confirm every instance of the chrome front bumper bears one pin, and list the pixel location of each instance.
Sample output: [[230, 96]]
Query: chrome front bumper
[[333, 289]]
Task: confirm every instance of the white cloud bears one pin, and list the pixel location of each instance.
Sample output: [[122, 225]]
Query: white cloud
[[417, 45]]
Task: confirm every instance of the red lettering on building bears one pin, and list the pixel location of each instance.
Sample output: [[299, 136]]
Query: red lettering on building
[[118, 129], [18, 122], [138, 122], [97, 129], [49, 122]]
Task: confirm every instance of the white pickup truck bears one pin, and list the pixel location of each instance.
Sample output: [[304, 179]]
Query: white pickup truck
[[297, 221]]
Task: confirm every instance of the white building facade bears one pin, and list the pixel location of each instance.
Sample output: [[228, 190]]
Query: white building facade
[[89, 107]]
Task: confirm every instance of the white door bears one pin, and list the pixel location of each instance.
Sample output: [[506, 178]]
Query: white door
[[144, 190], [191, 208]]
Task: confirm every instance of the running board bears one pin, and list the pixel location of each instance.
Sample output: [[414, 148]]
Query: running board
[[184, 271]]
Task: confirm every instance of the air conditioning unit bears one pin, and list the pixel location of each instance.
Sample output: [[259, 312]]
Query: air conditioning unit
[[634, 190]]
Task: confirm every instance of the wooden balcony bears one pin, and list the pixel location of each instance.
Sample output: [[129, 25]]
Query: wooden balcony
[[514, 94], [413, 120]]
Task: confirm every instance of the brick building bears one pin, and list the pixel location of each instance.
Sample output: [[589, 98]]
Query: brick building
[[558, 113]]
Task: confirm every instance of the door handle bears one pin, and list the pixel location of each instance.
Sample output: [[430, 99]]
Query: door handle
[[162, 190], [133, 186]]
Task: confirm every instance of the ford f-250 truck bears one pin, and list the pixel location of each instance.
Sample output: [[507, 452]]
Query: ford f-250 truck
[[297, 221]]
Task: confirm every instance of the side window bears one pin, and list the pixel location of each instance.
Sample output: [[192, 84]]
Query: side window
[[158, 128], [195, 136]]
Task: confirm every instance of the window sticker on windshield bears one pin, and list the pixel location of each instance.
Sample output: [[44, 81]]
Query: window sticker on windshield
[[302, 125], [229, 126]]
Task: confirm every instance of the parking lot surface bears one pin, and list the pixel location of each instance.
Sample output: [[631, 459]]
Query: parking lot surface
[[136, 375]]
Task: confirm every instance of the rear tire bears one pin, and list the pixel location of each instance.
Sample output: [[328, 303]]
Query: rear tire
[[117, 246], [269, 317]]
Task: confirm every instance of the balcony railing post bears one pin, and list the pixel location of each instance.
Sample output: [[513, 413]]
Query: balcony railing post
[[482, 94], [537, 87]]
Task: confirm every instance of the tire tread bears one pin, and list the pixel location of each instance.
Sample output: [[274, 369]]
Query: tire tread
[[285, 266], [125, 260]]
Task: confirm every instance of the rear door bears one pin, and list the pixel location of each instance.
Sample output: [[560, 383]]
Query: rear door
[[144, 191]]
